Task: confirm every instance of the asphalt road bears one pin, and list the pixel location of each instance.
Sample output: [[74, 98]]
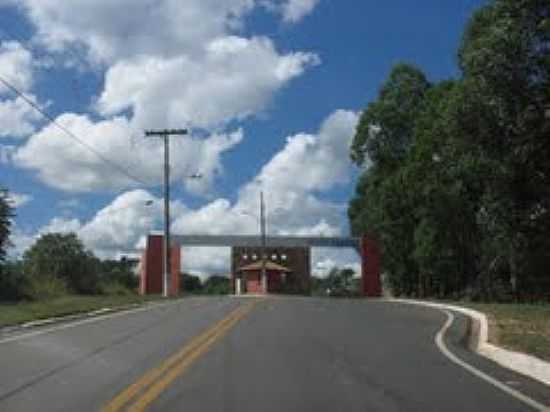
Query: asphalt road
[[276, 354]]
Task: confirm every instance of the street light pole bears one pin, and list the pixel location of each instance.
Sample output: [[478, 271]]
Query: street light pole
[[165, 134]]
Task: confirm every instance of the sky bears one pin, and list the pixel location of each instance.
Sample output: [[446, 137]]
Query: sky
[[271, 91]]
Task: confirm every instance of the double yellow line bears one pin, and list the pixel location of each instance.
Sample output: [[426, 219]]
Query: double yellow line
[[146, 389]]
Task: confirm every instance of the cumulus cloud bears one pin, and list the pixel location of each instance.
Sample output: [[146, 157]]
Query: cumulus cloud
[[191, 71], [17, 118], [293, 205], [119, 226], [117, 30], [52, 153], [236, 77], [16, 66]]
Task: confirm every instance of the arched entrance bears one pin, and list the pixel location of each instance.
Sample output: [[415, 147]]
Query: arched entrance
[[152, 262]]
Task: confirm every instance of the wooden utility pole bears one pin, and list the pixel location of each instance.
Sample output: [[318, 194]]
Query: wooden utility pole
[[165, 134]]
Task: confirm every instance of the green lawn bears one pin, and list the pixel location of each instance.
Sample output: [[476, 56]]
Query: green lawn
[[11, 314], [519, 327]]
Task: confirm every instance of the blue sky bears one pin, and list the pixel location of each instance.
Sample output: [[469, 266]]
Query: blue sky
[[271, 90]]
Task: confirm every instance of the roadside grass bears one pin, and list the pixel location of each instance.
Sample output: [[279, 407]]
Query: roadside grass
[[15, 313], [519, 327]]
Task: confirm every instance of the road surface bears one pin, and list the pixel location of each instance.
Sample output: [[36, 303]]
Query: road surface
[[275, 354]]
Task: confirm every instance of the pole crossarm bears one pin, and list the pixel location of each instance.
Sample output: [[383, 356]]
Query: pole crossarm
[[270, 241]]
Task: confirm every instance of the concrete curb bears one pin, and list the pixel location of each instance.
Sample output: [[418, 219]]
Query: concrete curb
[[479, 342], [75, 316]]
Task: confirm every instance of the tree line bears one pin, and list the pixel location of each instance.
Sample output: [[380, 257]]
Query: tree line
[[455, 174], [58, 264]]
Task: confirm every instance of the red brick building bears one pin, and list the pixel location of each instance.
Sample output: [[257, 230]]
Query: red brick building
[[293, 264], [251, 276]]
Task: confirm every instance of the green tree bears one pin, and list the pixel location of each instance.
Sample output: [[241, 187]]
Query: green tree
[[385, 131], [505, 57], [6, 216], [190, 283], [120, 272], [384, 202], [63, 257], [217, 285]]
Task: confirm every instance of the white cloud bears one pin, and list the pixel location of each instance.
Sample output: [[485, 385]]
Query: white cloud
[[236, 77], [119, 226], [114, 30], [17, 118], [61, 225], [191, 70], [292, 11], [204, 261], [326, 259], [16, 66], [296, 10], [19, 199], [293, 207], [63, 163]]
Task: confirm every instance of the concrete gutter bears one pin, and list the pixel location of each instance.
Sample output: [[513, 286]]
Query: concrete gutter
[[479, 342]]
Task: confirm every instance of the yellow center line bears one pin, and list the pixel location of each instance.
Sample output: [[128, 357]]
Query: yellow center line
[[162, 384], [206, 339]]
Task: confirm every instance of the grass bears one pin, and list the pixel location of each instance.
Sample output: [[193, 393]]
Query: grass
[[12, 314], [519, 327]]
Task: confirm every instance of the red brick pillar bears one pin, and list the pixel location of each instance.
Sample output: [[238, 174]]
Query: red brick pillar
[[152, 265], [370, 267]]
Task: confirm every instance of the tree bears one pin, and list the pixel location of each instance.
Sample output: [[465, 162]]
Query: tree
[[505, 57], [217, 285], [456, 179], [384, 202], [63, 257], [190, 283], [120, 272], [6, 216], [385, 131], [339, 283]]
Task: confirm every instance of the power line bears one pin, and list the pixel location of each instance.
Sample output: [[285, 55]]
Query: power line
[[47, 116]]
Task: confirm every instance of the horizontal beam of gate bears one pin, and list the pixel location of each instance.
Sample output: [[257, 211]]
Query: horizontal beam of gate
[[271, 241]]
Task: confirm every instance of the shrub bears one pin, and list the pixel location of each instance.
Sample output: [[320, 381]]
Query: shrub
[[114, 288], [44, 288]]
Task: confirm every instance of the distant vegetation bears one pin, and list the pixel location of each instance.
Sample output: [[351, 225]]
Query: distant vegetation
[[456, 174], [57, 265], [338, 283], [213, 285]]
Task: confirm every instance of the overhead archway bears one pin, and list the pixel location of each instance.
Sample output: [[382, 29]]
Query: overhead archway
[[152, 262]]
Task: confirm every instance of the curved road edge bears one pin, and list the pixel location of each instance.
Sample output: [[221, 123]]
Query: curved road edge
[[478, 342]]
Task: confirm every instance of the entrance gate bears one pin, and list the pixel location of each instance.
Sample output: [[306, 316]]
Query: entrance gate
[[152, 262]]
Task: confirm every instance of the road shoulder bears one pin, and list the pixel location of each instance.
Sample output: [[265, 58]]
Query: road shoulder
[[467, 338]]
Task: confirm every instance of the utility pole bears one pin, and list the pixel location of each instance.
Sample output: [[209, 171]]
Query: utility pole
[[263, 234], [165, 134]]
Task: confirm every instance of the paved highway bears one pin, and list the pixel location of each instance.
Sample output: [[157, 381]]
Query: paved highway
[[276, 354]]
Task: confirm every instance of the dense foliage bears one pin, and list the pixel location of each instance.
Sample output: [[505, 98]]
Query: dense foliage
[[338, 283], [6, 214], [455, 181]]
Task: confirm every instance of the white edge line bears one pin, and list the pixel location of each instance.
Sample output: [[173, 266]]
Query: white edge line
[[69, 325], [440, 342], [519, 362]]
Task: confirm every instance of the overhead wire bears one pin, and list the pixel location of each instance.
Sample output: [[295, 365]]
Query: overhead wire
[[73, 136]]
